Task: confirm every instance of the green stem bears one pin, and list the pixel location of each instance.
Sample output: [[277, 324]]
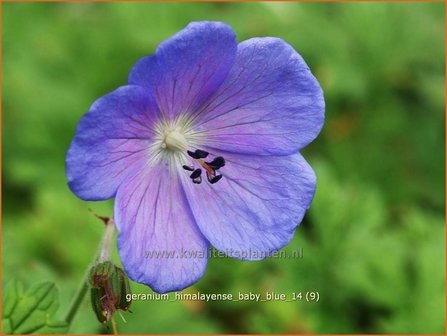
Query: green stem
[[102, 255], [77, 301]]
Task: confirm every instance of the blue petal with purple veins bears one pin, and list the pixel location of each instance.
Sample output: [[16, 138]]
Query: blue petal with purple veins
[[189, 67], [255, 209], [112, 140], [159, 243], [270, 103]]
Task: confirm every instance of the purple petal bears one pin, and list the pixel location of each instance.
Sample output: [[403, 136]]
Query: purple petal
[[111, 140], [159, 242], [188, 67], [255, 208], [270, 102]]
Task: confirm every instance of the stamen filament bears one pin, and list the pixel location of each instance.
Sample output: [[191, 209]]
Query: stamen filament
[[205, 166]]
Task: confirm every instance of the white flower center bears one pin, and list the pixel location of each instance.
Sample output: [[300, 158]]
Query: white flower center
[[178, 145], [174, 139]]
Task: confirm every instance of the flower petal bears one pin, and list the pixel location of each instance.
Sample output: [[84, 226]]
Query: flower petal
[[188, 67], [257, 205], [270, 102], [159, 242], [111, 140]]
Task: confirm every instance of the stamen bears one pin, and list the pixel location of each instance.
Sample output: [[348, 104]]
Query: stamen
[[196, 173], [210, 167], [197, 180], [196, 176], [201, 153], [198, 154], [192, 154], [215, 179], [217, 163]]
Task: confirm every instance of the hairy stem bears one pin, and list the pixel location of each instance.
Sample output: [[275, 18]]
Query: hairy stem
[[114, 327], [77, 300], [102, 255]]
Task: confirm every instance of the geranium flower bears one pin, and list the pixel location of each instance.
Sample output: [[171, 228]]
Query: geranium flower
[[201, 147]]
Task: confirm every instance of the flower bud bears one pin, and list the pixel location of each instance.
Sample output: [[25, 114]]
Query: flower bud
[[109, 288]]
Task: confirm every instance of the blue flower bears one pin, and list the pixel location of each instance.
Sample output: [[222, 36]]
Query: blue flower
[[201, 147]]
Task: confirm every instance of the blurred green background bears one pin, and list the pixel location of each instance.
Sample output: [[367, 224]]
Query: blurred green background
[[373, 240]]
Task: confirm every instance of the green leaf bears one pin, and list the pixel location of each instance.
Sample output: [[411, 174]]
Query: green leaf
[[31, 311]]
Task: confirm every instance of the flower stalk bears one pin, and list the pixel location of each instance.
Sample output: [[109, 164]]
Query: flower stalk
[[101, 256], [104, 253], [77, 300]]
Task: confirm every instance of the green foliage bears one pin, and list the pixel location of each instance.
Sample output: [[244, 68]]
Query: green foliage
[[31, 311], [373, 240]]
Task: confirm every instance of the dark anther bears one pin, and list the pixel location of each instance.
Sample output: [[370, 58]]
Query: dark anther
[[217, 163], [197, 180], [215, 179], [201, 154], [198, 154], [210, 167], [196, 173], [193, 155], [196, 176]]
